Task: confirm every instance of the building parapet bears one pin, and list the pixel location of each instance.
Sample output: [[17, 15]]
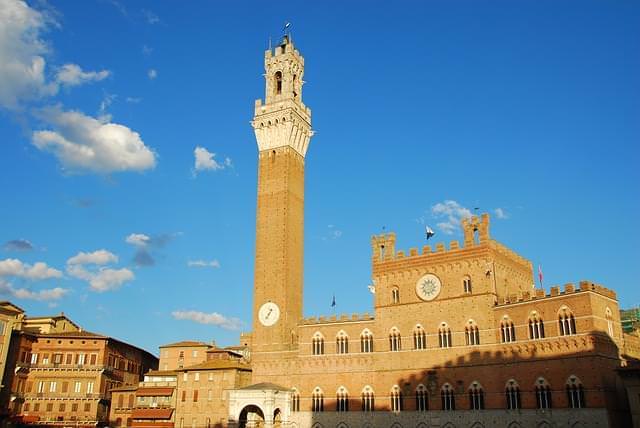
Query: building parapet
[[337, 319], [555, 291]]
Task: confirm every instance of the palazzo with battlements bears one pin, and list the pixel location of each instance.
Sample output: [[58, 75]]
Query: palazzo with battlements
[[457, 337]]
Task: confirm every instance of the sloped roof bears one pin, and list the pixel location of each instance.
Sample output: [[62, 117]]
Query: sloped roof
[[217, 365], [266, 385], [184, 343]]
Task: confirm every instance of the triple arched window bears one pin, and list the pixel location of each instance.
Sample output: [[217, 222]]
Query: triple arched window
[[448, 397], [444, 336], [317, 344], [476, 396], [368, 399], [471, 333], [536, 326], [575, 393], [419, 338], [543, 394], [342, 343], [422, 398], [507, 330], [366, 341], [566, 322], [512, 394], [395, 340], [317, 400], [396, 399], [342, 400]]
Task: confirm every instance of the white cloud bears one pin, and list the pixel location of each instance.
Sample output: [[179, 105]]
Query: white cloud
[[22, 57], [333, 233], [501, 213], [99, 257], [138, 239], [152, 73], [73, 75], [103, 279], [22, 65], [213, 318], [204, 263], [82, 142], [452, 213], [24, 293], [133, 100], [151, 17], [204, 160], [38, 271]]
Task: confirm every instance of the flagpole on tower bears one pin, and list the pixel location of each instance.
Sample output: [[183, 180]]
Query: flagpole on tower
[[540, 276]]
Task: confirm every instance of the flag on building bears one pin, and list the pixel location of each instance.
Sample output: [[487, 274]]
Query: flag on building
[[540, 275], [333, 301], [429, 232]]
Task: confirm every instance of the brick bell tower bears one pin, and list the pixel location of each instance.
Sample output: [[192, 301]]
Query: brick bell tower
[[283, 130]]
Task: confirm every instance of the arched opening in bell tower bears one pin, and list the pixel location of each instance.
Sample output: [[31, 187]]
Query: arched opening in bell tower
[[278, 82]]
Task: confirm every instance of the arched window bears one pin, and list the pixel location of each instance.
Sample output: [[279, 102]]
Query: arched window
[[575, 393], [131, 403], [366, 341], [342, 400], [448, 399], [543, 394], [396, 399], [512, 394], [422, 399], [419, 338], [278, 82], [295, 400], [466, 284], [318, 344], [566, 322], [118, 422], [471, 333], [536, 326], [342, 343], [367, 399], [395, 295], [609, 318], [507, 330], [476, 396], [395, 341], [120, 400], [444, 336], [317, 400]]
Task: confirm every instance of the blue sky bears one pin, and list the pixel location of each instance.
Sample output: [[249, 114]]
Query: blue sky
[[423, 110]]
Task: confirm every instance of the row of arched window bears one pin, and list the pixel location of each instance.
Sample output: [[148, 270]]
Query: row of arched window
[[476, 397], [535, 327]]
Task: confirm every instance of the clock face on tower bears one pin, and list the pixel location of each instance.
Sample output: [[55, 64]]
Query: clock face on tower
[[428, 287], [268, 314]]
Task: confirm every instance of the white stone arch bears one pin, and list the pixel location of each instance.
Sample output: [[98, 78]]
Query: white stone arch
[[477, 424], [317, 425], [342, 425], [449, 425], [342, 333], [367, 388], [396, 425], [543, 424], [514, 424], [512, 383], [318, 335]]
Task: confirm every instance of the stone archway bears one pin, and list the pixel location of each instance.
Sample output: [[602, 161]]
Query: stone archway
[[251, 417], [277, 418]]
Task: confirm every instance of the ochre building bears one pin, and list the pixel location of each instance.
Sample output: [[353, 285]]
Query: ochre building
[[458, 337], [57, 374]]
